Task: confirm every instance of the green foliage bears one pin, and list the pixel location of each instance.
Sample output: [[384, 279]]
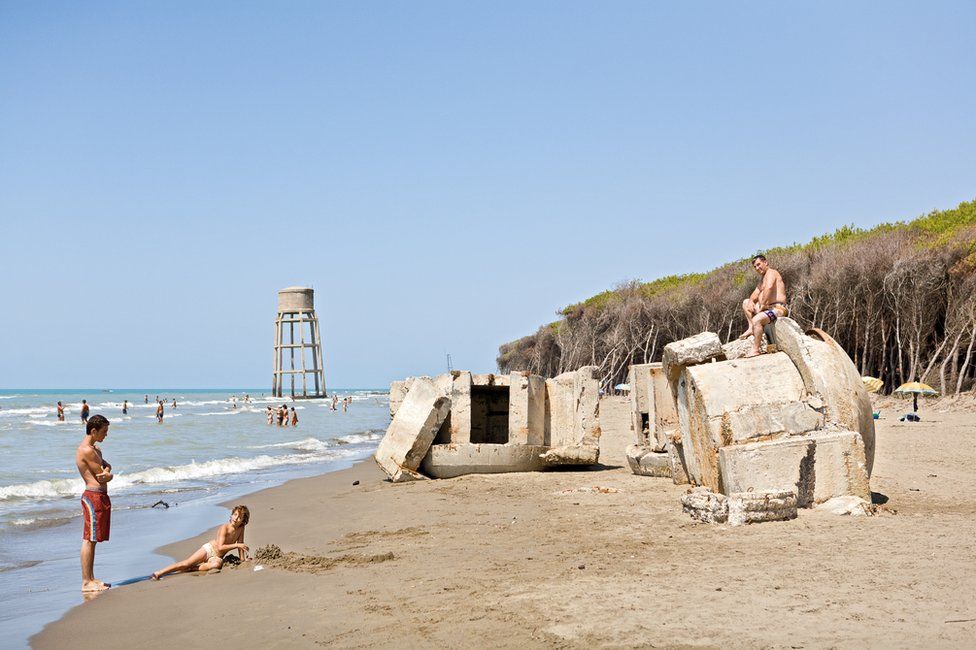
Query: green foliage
[[671, 283], [935, 228], [946, 222]]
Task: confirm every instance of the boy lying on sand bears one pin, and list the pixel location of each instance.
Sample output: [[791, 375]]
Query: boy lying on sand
[[229, 536]]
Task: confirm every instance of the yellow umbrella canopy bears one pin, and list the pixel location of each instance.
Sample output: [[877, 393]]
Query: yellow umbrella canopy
[[872, 384], [915, 388]]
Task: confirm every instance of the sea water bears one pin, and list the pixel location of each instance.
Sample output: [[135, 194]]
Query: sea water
[[213, 446]]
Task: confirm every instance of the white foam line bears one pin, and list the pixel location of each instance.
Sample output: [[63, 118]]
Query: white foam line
[[49, 489]]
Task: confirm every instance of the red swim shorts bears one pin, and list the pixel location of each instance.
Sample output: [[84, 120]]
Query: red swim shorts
[[96, 510]]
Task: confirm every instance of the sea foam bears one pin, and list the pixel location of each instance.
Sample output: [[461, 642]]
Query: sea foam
[[52, 489]]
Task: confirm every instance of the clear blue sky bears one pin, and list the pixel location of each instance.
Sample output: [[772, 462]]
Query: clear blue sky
[[447, 175]]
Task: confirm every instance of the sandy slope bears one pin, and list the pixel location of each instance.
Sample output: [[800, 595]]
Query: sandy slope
[[524, 560]]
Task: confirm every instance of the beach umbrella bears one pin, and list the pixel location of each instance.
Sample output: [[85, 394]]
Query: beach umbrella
[[622, 387], [872, 384], [915, 388]]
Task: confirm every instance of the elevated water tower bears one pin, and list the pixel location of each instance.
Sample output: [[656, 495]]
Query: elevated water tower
[[296, 311]]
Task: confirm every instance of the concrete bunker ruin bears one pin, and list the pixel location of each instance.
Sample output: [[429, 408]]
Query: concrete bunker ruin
[[491, 423], [794, 420]]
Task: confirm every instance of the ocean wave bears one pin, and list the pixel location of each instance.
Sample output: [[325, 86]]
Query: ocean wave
[[28, 411], [51, 489], [166, 416], [30, 523], [365, 436], [220, 413], [308, 444]]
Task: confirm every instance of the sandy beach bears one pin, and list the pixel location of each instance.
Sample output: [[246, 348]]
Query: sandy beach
[[540, 560]]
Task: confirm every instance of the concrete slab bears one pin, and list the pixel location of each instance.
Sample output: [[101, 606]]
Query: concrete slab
[[527, 409], [412, 431], [560, 409], [459, 425], [817, 467], [448, 461], [573, 418]]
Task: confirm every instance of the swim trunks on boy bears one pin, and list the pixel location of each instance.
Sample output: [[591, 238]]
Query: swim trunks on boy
[[96, 510]]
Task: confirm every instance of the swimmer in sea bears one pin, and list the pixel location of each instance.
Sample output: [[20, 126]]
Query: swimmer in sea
[[125, 407], [294, 417], [84, 411], [270, 416], [60, 412], [159, 412], [229, 537]]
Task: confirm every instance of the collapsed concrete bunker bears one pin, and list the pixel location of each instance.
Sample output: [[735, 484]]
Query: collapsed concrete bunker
[[463, 423], [794, 420], [756, 437]]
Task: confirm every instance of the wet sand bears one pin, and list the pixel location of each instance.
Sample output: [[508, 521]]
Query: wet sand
[[536, 560]]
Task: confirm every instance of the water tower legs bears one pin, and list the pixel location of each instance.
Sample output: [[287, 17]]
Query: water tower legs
[[288, 341]]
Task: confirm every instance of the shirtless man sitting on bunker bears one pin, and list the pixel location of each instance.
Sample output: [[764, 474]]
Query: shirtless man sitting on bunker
[[765, 305], [230, 536]]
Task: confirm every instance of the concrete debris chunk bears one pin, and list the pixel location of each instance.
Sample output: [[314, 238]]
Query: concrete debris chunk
[[739, 508], [571, 455], [705, 506], [848, 505], [738, 348], [412, 431], [757, 507], [690, 351], [596, 489], [644, 461]]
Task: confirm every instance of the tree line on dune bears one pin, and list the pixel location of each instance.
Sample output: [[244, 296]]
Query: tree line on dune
[[900, 298]]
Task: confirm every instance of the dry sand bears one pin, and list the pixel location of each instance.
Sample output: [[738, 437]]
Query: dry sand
[[527, 560]]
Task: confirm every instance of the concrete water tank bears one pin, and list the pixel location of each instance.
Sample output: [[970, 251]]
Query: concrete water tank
[[295, 299]]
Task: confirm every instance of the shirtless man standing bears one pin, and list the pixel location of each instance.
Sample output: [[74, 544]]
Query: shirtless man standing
[[84, 411], [96, 508], [765, 305]]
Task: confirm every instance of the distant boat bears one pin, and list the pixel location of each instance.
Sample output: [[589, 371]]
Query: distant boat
[[106, 390]]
